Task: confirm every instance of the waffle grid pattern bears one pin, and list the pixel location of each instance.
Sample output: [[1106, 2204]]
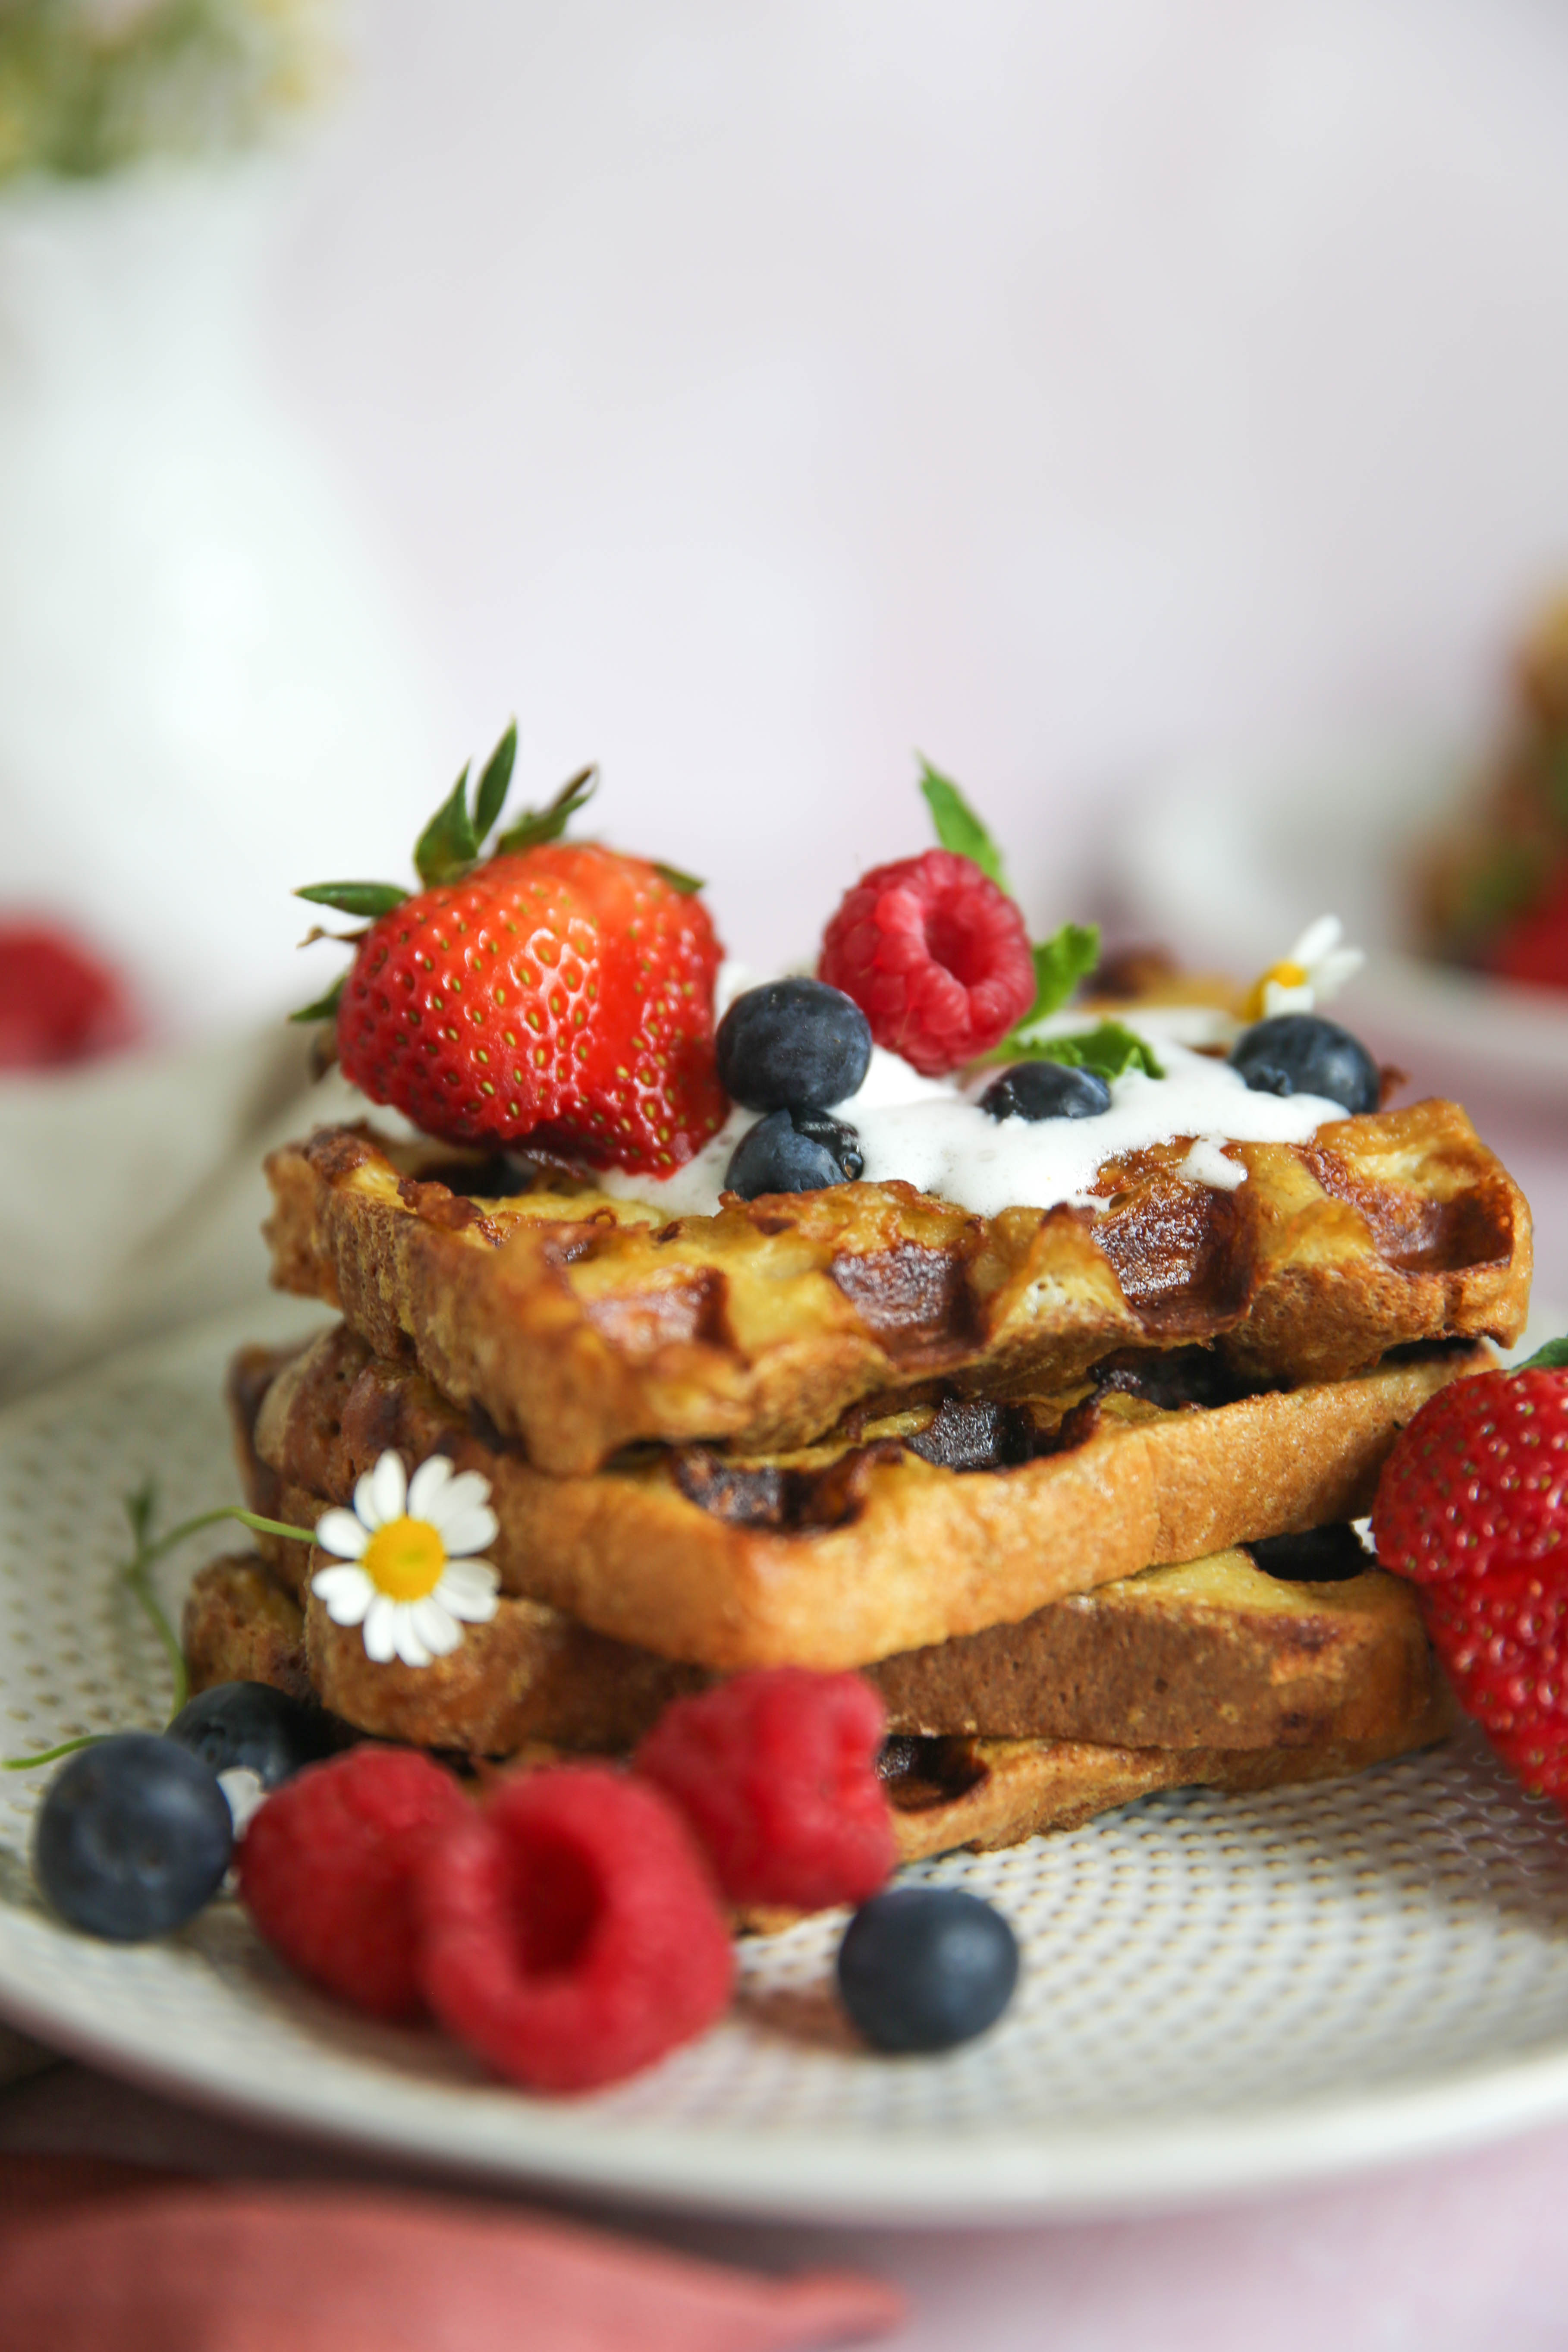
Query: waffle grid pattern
[[1194, 1960]]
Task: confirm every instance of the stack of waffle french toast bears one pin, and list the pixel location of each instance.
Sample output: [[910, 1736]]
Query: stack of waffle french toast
[[1072, 1487]]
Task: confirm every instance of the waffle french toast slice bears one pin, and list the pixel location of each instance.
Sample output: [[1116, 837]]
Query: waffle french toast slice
[[944, 1792], [580, 1323], [903, 1532]]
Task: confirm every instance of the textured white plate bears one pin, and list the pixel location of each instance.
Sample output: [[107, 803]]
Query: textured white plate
[[1219, 1993], [1227, 859]]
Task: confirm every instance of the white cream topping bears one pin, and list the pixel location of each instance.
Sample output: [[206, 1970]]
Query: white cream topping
[[933, 1134]]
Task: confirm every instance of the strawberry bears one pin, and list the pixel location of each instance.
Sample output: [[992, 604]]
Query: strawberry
[[554, 992], [1472, 1506]]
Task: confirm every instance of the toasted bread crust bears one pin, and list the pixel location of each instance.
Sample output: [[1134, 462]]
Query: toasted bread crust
[[945, 1792], [921, 1554], [1020, 1788], [581, 1324], [240, 1625]]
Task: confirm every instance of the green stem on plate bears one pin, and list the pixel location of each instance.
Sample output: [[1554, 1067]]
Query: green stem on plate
[[136, 1573]]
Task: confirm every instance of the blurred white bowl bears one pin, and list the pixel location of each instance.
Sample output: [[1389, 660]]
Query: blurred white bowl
[[1227, 858]]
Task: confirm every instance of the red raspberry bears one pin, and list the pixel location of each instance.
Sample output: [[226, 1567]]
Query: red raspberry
[[571, 1934], [777, 1773], [326, 1871], [1471, 1507], [57, 1002], [935, 956], [1533, 947]]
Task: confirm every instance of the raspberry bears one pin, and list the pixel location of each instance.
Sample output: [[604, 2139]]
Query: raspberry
[[935, 956], [57, 1002], [326, 1871], [571, 1934], [777, 1773], [1470, 1506], [1533, 947]]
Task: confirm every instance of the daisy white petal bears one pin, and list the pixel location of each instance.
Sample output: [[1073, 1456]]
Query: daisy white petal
[[469, 1589], [389, 1489], [436, 1626], [347, 1592], [405, 1637], [1331, 975], [467, 1491], [341, 1532], [424, 1489], [471, 1531], [1317, 939], [381, 1630], [1278, 998]]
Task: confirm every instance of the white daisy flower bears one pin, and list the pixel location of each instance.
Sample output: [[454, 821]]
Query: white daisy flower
[[1316, 968], [406, 1568]]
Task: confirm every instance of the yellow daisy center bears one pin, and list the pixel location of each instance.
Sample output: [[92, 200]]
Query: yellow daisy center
[[1287, 975], [405, 1559]]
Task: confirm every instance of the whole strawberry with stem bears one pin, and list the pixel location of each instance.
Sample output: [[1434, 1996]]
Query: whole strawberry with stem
[[1472, 1506], [551, 993]]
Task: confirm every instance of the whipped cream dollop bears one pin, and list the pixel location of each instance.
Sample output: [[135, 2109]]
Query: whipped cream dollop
[[933, 1133]]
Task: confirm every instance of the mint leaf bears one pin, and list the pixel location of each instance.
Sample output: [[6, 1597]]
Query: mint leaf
[[549, 824], [957, 826], [325, 1008], [1111, 1049], [1550, 1359], [448, 845], [491, 797], [687, 883], [370, 899], [1060, 964]]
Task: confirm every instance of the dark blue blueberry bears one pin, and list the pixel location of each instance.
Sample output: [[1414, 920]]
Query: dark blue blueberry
[[1300, 1054], [794, 1152], [792, 1043], [249, 1726], [926, 1967], [132, 1838], [1047, 1090]]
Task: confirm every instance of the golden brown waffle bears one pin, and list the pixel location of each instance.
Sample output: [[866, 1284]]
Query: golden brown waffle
[[863, 1547], [580, 1323], [945, 1792]]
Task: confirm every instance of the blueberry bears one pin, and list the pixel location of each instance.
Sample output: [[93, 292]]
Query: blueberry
[[926, 1967], [1045, 1090], [132, 1838], [793, 1044], [1299, 1054], [253, 1728], [794, 1152]]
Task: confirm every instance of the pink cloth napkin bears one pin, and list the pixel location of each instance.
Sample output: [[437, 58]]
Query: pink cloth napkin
[[95, 2255]]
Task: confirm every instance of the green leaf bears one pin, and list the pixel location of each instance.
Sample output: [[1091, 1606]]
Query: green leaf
[[1061, 963], [1111, 1049], [490, 798], [325, 1008], [1550, 1359], [957, 826], [370, 899], [687, 883], [447, 846], [549, 824]]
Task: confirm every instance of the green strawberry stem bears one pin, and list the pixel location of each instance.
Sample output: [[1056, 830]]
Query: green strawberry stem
[[1550, 1359], [136, 1572]]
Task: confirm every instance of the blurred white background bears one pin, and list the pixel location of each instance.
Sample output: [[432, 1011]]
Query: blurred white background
[[747, 396]]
